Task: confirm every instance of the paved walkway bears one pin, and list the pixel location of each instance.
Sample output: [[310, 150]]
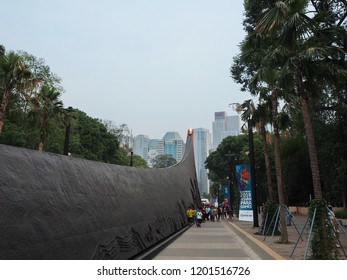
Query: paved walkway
[[297, 248], [239, 240], [213, 241]]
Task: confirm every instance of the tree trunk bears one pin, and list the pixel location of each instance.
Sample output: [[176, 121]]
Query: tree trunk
[[311, 149], [283, 225], [3, 108], [267, 162]]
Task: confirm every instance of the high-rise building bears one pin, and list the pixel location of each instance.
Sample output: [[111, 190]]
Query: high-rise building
[[152, 151], [202, 146], [141, 143], [172, 144], [224, 126]]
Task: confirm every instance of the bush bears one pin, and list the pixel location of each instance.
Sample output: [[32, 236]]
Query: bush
[[341, 214], [323, 243]]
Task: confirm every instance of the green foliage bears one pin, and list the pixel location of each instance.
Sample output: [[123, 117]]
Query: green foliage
[[90, 139], [306, 40], [296, 170], [341, 214], [139, 162], [218, 165], [323, 242]]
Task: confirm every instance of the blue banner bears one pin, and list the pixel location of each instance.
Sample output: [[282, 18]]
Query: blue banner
[[226, 194], [243, 179]]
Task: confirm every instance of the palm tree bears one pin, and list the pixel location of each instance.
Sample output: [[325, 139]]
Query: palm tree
[[249, 110], [309, 58], [294, 35], [14, 79], [262, 118], [48, 105], [2, 50], [264, 79]]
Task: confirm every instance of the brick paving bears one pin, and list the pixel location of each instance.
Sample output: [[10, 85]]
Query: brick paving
[[296, 249]]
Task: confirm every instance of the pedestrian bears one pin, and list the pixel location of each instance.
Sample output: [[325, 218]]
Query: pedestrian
[[199, 216], [189, 214], [219, 214], [208, 210], [215, 213], [203, 210], [228, 213], [212, 214], [194, 215]]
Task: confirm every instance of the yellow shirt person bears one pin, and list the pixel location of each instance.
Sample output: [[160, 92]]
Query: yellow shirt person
[[190, 212]]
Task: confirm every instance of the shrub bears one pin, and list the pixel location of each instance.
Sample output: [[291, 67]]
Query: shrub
[[341, 214]]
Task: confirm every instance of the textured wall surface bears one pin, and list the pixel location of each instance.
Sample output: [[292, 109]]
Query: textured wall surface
[[59, 207]]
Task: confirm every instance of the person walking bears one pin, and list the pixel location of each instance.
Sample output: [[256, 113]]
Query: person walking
[[208, 211], [220, 213], [190, 212], [212, 214], [199, 216]]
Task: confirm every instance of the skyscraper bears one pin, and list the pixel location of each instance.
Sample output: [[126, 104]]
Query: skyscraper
[[224, 126], [202, 146], [172, 144], [141, 143]]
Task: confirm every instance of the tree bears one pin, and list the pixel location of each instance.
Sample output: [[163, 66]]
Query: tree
[[2, 50], [14, 79], [47, 105], [301, 42], [294, 33], [139, 162]]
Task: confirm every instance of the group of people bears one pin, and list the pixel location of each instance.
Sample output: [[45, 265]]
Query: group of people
[[208, 213]]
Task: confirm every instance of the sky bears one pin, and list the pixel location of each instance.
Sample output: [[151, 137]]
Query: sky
[[155, 65]]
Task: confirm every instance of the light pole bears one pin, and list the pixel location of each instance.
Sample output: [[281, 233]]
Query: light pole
[[230, 155], [67, 132], [131, 158]]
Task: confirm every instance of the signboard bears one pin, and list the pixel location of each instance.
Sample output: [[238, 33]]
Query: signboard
[[243, 178], [226, 194]]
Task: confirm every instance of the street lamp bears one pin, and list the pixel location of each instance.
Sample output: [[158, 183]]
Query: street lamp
[[239, 108], [67, 132], [230, 155], [131, 158]]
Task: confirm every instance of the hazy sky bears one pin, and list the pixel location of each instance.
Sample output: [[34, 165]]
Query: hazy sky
[[156, 65]]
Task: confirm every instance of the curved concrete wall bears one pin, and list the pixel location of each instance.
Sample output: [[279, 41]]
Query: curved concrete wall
[[59, 207]]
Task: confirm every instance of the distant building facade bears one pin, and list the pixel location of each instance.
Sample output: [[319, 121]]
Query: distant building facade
[[202, 146], [223, 126], [171, 144], [141, 143]]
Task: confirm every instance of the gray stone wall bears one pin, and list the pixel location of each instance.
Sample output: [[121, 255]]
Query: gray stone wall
[[59, 207]]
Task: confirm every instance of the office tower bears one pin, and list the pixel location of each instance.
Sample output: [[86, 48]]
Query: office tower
[[152, 151], [141, 143], [172, 144], [202, 146], [224, 126]]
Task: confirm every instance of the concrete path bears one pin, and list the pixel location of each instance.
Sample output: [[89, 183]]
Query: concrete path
[[212, 241], [239, 240]]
